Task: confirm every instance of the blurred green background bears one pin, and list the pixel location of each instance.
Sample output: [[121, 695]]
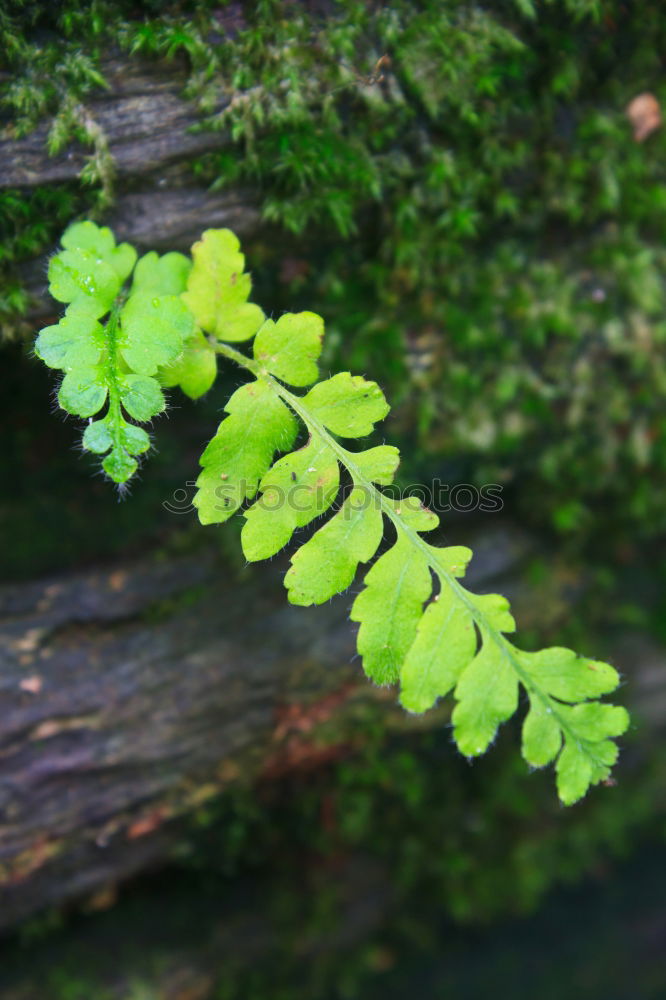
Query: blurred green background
[[457, 189]]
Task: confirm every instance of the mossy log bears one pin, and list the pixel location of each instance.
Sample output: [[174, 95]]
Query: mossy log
[[143, 115], [150, 129], [132, 695], [126, 704]]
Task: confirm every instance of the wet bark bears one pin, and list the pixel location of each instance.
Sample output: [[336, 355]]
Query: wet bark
[[127, 701], [132, 695], [152, 133]]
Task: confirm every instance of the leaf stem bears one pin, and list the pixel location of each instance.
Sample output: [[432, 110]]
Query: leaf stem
[[114, 413]]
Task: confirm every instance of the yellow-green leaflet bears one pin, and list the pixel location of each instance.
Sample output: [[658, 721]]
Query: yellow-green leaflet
[[444, 644], [218, 289], [294, 491], [290, 348], [327, 563], [486, 694], [389, 609], [239, 455], [347, 405]]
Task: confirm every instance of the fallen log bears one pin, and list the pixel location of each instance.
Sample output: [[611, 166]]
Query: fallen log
[[152, 137], [130, 696], [143, 115], [112, 725]]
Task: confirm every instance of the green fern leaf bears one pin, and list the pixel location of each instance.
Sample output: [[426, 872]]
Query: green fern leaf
[[141, 396], [347, 405], [389, 610], [290, 348], [83, 391], [112, 364], [327, 563], [76, 341], [486, 694], [152, 331], [444, 644], [296, 490], [419, 627], [91, 269], [195, 370], [378, 465], [542, 736], [165, 275]]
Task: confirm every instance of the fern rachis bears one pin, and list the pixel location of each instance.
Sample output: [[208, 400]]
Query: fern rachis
[[419, 626]]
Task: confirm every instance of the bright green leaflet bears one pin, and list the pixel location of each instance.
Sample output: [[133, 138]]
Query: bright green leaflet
[[328, 563], [218, 290], [194, 368], [118, 347], [418, 626], [237, 458]]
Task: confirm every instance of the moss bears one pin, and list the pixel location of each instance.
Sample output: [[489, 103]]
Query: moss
[[473, 216], [476, 843]]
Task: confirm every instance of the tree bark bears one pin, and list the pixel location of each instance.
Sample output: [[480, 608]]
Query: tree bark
[[113, 725], [132, 695], [149, 126], [125, 705]]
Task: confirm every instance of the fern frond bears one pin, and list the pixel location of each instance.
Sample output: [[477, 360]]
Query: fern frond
[[419, 627]]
